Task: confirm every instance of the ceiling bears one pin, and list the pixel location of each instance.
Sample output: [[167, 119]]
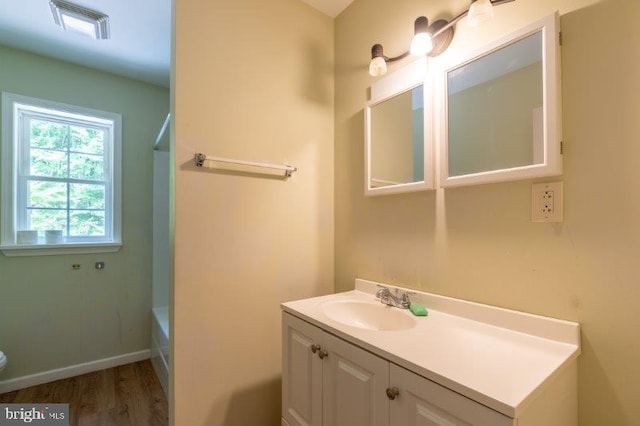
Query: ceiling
[[329, 7], [140, 43], [139, 48]]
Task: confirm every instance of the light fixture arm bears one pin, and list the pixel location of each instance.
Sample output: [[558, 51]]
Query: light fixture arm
[[376, 51], [396, 58]]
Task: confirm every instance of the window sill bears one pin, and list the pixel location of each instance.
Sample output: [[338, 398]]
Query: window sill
[[53, 249]]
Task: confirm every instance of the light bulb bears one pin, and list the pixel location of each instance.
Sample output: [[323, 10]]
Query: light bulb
[[479, 12], [421, 44], [377, 67]]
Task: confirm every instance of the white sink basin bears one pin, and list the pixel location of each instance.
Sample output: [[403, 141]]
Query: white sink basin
[[368, 315]]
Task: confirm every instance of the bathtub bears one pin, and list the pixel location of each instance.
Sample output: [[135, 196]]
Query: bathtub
[[160, 345]]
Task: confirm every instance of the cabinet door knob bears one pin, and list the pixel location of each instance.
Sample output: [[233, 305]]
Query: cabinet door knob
[[323, 354], [315, 348], [392, 393]]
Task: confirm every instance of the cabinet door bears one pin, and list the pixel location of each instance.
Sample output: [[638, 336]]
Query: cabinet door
[[301, 373], [354, 385], [422, 402]]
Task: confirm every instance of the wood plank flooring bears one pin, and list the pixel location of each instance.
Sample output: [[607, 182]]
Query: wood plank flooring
[[129, 395]]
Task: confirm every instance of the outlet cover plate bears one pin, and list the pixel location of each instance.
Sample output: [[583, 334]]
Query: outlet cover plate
[[546, 202]]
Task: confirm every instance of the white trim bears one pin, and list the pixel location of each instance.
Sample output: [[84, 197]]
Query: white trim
[[405, 78], [8, 165], [71, 371], [549, 26], [112, 122], [53, 249]]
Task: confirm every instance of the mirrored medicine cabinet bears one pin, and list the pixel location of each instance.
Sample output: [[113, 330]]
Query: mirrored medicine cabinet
[[494, 116], [398, 149], [500, 110]]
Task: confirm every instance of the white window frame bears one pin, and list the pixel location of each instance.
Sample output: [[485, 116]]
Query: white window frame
[[13, 108]]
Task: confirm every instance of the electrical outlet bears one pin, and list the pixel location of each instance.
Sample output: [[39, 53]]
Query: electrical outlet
[[546, 202]]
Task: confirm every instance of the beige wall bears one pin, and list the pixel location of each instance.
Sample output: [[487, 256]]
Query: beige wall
[[478, 243], [253, 81]]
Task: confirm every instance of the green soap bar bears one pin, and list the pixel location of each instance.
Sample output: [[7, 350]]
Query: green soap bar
[[418, 310]]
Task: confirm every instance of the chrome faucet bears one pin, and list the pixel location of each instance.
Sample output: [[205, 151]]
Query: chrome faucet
[[399, 298]]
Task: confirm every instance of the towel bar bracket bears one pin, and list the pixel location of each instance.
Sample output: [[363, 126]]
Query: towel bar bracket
[[199, 159]]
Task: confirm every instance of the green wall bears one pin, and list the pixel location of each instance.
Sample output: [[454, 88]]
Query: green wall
[[52, 316]]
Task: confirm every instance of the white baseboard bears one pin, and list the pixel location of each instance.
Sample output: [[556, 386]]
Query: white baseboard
[[71, 371]]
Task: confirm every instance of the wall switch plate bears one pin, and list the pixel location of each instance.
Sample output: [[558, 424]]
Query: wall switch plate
[[546, 202]]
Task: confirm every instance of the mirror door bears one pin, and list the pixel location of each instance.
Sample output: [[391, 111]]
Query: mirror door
[[398, 154], [501, 110]]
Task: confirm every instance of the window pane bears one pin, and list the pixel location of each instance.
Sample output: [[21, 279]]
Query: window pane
[[63, 173], [48, 163], [89, 167], [90, 141], [47, 134], [43, 220], [87, 223], [85, 196], [47, 194]]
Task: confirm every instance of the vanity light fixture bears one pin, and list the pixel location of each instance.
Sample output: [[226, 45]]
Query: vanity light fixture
[[432, 40], [80, 20]]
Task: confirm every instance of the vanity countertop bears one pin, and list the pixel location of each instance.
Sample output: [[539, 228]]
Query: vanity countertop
[[497, 357]]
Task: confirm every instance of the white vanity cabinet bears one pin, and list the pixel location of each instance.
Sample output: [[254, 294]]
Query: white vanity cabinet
[[422, 402], [328, 381], [349, 360], [301, 373]]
